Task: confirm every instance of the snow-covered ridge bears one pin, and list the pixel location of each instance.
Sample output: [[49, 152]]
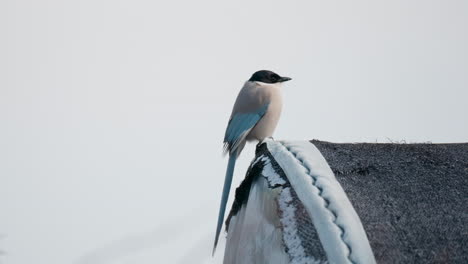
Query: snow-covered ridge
[[293, 195]]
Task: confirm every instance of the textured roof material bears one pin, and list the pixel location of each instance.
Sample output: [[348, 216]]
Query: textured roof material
[[412, 198]]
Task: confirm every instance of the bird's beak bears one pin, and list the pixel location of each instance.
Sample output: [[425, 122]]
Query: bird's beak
[[285, 79]]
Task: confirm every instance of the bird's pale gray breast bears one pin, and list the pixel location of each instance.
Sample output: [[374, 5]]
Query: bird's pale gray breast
[[270, 94]]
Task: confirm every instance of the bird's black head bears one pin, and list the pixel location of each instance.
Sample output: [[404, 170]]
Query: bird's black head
[[268, 77]]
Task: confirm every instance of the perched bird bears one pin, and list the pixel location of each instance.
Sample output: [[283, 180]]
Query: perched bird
[[254, 117]]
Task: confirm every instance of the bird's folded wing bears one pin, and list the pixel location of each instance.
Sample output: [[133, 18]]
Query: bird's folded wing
[[240, 125]]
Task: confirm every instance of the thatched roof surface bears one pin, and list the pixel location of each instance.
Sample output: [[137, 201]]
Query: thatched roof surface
[[412, 198]]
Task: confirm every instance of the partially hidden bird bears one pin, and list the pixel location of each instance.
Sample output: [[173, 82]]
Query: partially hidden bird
[[254, 116]]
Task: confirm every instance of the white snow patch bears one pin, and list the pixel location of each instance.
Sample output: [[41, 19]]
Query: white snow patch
[[271, 175], [268, 172], [254, 233], [290, 237]]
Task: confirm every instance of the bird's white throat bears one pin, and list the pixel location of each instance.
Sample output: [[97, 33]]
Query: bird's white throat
[[276, 85]]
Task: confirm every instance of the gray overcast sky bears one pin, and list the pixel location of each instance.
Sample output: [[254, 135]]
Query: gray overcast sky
[[112, 113]]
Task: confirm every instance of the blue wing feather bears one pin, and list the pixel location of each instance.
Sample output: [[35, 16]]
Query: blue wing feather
[[239, 124]]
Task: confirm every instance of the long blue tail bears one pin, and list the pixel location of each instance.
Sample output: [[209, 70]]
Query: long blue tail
[[224, 197]]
